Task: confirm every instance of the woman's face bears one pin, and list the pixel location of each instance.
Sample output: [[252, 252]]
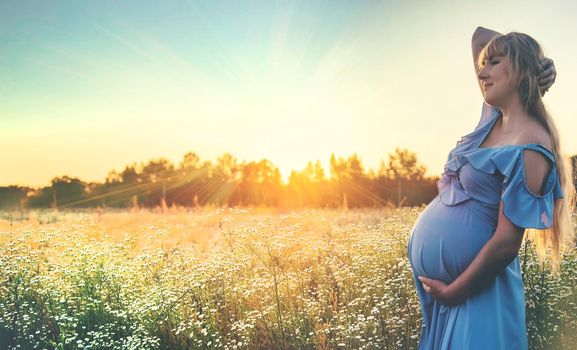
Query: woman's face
[[496, 81]]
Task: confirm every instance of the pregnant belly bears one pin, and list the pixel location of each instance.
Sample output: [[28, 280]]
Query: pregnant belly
[[445, 239]]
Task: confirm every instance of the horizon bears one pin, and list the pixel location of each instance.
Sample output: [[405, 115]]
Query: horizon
[[139, 164]]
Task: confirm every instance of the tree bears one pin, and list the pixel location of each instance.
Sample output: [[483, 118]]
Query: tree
[[402, 166], [190, 160], [156, 170], [68, 191], [227, 168], [349, 183], [130, 175], [155, 175], [12, 197], [307, 187], [260, 184]]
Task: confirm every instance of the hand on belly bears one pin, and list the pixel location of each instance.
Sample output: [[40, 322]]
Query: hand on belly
[[440, 291]]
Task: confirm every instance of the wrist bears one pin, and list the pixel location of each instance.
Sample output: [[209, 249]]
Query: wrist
[[456, 291]]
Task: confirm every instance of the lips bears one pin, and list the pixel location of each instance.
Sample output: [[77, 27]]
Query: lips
[[485, 86]]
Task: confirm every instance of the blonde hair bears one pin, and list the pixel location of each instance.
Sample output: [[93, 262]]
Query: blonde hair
[[525, 55]]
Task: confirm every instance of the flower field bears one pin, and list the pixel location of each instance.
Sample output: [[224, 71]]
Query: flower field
[[224, 278]]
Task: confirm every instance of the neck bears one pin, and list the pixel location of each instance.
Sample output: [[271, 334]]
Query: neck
[[513, 114]]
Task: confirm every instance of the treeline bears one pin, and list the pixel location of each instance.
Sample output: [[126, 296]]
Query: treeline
[[400, 180]]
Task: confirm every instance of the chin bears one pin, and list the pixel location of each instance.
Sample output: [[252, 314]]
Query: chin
[[491, 100], [488, 101]]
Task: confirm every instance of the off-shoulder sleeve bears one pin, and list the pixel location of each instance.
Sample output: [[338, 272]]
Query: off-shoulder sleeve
[[521, 206]]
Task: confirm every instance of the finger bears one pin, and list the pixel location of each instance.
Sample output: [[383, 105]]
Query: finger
[[426, 287], [546, 81], [546, 74], [543, 91], [545, 87], [546, 62], [546, 77]]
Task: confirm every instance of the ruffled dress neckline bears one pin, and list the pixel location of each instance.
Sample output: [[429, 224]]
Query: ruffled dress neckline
[[506, 161], [489, 127]]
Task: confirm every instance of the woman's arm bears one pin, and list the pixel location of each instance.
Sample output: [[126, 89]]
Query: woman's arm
[[499, 251], [481, 37], [491, 260]]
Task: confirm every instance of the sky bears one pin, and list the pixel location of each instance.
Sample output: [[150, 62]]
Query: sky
[[87, 87]]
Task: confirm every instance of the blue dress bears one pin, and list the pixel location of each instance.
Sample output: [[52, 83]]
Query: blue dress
[[455, 226]]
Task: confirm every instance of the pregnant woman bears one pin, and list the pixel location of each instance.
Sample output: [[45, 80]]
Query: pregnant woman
[[505, 176]]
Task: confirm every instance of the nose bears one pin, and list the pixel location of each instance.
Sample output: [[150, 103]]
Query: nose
[[482, 75]]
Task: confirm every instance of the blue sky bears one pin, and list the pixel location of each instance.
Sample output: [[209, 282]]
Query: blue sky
[[90, 86]]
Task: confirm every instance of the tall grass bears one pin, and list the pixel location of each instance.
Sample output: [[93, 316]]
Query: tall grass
[[233, 279]]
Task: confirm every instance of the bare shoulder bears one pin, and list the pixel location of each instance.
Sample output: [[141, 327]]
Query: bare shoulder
[[537, 165], [536, 133]]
